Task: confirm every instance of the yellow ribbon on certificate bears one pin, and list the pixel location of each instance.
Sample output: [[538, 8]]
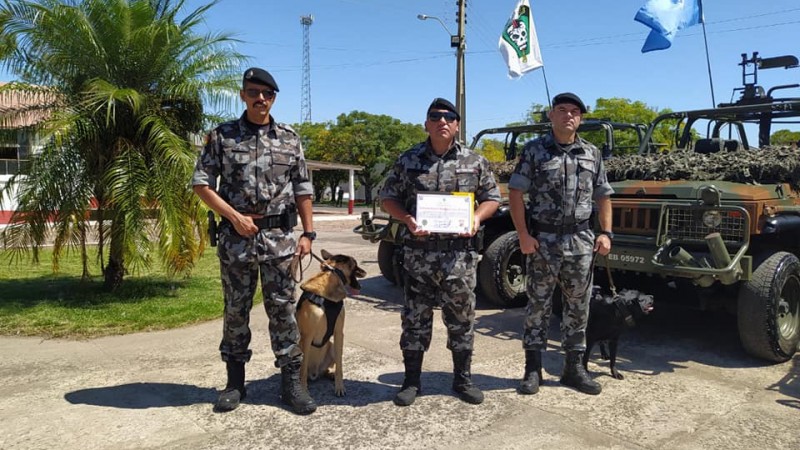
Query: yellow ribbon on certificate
[[445, 212]]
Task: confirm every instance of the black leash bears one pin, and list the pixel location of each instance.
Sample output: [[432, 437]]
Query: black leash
[[296, 266], [621, 307]]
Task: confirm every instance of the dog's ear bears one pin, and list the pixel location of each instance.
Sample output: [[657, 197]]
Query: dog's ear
[[325, 254], [359, 272]]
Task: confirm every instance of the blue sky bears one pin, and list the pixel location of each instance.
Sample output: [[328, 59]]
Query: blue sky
[[376, 56]]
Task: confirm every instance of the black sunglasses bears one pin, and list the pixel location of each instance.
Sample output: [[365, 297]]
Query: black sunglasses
[[449, 117], [254, 93]]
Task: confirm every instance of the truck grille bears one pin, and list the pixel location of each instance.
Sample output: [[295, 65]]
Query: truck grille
[[687, 224], [635, 221]]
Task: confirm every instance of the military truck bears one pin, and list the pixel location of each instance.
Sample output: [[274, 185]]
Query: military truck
[[501, 271], [715, 221]]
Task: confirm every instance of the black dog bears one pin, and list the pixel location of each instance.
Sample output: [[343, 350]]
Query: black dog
[[609, 315]]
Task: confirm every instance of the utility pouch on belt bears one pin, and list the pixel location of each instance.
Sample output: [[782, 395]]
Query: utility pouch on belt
[[285, 221], [212, 229]]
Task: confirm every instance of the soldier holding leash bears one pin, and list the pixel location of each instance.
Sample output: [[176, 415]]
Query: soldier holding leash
[[440, 269], [263, 186], [562, 174]]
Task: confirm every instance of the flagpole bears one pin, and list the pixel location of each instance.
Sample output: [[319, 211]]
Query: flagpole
[[546, 87], [708, 60]]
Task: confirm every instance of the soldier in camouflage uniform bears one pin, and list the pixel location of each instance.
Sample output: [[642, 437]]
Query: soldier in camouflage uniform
[[562, 174], [263, 185], [440, 269]]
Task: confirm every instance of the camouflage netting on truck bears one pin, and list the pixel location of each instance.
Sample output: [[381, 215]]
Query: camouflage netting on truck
[[758, 166]]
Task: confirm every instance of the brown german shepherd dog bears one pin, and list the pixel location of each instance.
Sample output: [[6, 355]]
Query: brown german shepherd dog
[[320, 317]]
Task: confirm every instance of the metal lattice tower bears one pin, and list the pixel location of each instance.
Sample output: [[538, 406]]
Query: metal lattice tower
[[305, 102]]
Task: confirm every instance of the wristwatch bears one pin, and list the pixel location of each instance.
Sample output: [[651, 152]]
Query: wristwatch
[[311, 235], [609, 234]]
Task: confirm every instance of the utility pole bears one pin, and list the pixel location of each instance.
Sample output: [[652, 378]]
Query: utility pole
[[305, 102], [461, 96]]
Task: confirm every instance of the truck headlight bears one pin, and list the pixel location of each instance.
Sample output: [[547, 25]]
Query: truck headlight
[[712, 219]]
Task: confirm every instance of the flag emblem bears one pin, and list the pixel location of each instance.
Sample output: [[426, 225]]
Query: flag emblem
[[516, 33], [518, 43]]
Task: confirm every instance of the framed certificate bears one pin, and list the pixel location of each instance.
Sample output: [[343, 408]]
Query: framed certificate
[[445, 212]]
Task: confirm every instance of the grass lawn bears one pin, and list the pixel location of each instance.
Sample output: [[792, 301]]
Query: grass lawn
[[34, 301]]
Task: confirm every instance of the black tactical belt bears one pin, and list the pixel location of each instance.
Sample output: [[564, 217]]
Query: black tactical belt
[[571, 228], [440, 244], [285, 221]]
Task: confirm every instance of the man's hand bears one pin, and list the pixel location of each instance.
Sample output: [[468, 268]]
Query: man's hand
[[413, 227], [528, 244], [303, 247], [602, 245], [244, 226], [476, 225]]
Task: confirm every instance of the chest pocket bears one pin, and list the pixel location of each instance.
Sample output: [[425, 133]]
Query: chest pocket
[[235, 154], [422, 180], [549, 177], [586, 175], [467, 180], [282, 163]]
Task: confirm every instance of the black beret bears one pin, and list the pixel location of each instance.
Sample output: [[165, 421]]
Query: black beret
[[259, 76], [440, 103], [569, 97]]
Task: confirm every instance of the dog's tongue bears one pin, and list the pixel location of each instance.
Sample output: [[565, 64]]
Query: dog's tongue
[[352, 291]]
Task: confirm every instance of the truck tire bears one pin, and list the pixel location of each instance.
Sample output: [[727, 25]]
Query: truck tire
[[501, 272], [769, 309], [388, 264]]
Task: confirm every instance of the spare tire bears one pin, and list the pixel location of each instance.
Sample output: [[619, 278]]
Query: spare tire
[[502, 272], [390, 262]]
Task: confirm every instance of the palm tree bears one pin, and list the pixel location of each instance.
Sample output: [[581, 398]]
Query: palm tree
[[122, 84]]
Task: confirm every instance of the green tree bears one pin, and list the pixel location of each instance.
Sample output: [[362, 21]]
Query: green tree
[[785, 137], [492, 149], [536, 113], [371, 141], [628, 111], [122, 85], [315, 137]]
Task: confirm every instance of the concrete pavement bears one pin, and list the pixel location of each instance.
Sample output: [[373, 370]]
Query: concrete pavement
[[687, 385]]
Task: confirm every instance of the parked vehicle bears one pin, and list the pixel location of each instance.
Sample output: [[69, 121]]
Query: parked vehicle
[[717, 219]]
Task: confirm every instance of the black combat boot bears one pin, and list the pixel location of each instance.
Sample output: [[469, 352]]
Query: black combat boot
[[462, 382], [234, 391], [292, 392], [575, 375], [533, 373], [412, 359]]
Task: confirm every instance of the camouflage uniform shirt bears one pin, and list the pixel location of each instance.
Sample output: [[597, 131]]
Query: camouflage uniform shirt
[[420, 169], [260, 170], [561, 182]]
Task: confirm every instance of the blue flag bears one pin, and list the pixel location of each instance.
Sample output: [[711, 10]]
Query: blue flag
[[666, 17]]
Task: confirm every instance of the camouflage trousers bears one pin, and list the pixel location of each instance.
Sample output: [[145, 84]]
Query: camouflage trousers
[[574, 271], [443, 279], [240, 269]]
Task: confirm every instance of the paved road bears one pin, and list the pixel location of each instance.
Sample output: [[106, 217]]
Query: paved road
[[687, 385]]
